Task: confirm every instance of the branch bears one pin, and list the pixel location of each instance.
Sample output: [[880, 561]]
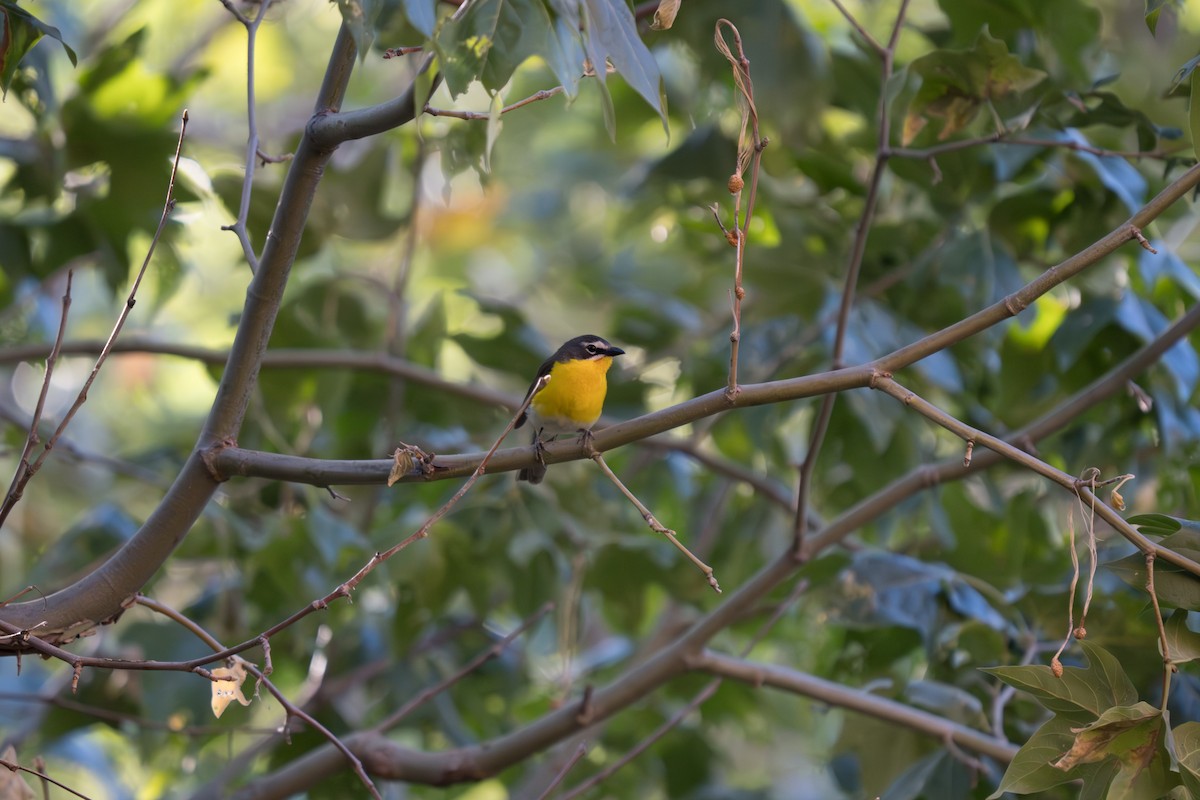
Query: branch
[[926, 409], [1004, 137], [252, 153], [834, 694], [290, 708], [1104, 387], [24, 467], [474, 116], [330, 130], [98, 598], [853, 267], [26, 471]]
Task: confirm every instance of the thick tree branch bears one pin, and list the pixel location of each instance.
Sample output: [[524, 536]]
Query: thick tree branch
[[439, 767], [99, 597]]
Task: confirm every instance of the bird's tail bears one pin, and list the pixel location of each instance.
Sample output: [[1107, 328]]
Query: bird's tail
[[536, 471]]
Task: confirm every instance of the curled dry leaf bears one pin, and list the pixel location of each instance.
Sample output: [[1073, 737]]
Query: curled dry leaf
[[1114, 498], [225, 692], [664, 17], [406, 459]]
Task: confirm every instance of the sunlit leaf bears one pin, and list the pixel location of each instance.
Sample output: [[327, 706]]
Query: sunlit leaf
[[19, 32], [225, 692]]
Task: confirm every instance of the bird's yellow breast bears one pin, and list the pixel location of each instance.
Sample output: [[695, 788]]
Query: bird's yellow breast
[[574, 396]]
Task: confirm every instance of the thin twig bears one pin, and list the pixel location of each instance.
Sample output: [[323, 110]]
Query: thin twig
[[14, 767], [252, 151], [543, 94], [18, 489], [749, 154], [657, 526], [871, 41], [579, 753], [857, 250], [427, 694], [422, 532], [1168, 665], [697, 700], [32, 438], [910, 399], [290, 708]]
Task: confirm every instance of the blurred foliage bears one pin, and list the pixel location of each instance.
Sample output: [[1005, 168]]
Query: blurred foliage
[[576, 214]]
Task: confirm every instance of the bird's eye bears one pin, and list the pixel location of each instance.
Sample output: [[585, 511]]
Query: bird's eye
[[591, 348]]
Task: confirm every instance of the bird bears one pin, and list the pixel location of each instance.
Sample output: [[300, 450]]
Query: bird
[[573, 398]]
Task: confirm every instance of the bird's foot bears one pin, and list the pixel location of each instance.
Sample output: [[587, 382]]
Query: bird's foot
[[585, 441]]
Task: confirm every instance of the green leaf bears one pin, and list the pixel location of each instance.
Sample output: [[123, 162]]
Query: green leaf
[[1153, 10], [1156, 524], [19, 32], [360, 17], [1030, 770], [612, 36], [956, 83], [1082, 693], [490, 41], [1183, 644], [1183, 73], [1174, 586], [1126, 732], [422, 14], [1187, 753]]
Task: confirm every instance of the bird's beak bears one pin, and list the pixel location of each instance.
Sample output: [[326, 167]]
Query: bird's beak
[[614, 351]]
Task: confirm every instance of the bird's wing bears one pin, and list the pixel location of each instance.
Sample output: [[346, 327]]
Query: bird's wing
[[544, 369]]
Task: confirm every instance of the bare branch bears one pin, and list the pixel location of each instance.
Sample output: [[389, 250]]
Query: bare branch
[[290, 708], [252, 151], [543, 94], [834, 694], [853, 267], [26, 473], [24, 467]]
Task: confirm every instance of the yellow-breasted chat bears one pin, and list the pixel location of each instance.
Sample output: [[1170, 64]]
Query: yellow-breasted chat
[[574, 397]]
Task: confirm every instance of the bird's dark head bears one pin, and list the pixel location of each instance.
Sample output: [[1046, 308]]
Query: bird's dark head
[[587, 347]]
